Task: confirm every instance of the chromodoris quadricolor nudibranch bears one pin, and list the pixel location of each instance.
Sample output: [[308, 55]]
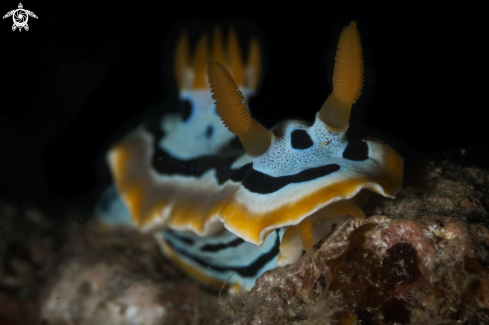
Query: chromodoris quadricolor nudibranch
[[217, 206], [303, 176]]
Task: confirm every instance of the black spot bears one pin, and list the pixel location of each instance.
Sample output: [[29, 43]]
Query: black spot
[[261, 183], [356, 150], [300, 139], [209, 132], [186, 109], [400, 264]]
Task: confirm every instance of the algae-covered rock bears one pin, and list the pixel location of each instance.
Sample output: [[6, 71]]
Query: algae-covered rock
[[120, 277], [423, 262]]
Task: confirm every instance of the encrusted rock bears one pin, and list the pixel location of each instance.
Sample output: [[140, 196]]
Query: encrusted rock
[[27, 259], [380, 271], [424, 263], [120, 277]]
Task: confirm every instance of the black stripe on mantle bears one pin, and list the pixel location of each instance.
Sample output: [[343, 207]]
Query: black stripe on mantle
[[218, 247], [252, 180], [258, 182], [246, 271], [184, 240], [163, 163]]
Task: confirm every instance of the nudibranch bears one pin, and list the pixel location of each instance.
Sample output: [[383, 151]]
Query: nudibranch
[[302, 176], [220, 205], [169, 174]]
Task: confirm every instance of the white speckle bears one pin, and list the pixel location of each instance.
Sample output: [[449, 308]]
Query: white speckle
[[282, 159]]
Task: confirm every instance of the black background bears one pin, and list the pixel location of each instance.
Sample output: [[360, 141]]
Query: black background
[[87, 72]]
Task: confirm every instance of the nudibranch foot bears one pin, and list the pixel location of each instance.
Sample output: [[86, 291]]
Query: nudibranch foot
[[306, 234]]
